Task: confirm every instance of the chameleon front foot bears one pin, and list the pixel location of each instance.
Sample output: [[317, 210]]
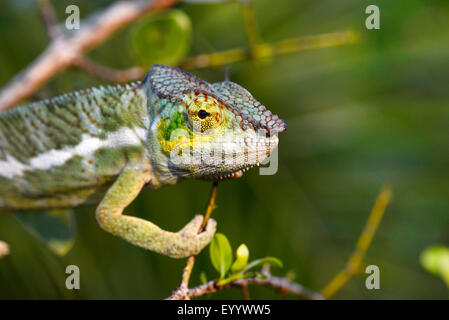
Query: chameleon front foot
[[191, 242]]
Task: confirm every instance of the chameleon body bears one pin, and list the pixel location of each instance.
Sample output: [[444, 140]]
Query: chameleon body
[[103, 145]]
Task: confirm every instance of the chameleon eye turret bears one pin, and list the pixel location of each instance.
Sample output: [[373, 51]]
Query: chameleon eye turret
[[204, 111]]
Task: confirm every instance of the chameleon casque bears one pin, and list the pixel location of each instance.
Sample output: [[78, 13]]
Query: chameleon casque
[[103, 145]]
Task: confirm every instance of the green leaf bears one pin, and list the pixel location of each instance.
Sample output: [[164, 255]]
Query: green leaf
[[272, 261], [261, 276], [233, 277], [241, 254], [163, 38], [238, 276], [435, 260], [220, 254]]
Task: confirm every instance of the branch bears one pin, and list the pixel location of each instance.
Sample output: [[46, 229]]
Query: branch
[[103, 72], [249, 19], [49, 18], [281, 284], [268, 50], [245, 291], [66, 48], [353, 265], [259, 51]]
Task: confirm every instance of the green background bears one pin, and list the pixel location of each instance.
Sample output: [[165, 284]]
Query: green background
[[358, 116]]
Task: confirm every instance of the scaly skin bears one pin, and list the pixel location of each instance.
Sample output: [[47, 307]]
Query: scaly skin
[[102, 146]]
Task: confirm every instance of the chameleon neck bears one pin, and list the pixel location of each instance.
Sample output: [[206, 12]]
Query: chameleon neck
[[162, 174]]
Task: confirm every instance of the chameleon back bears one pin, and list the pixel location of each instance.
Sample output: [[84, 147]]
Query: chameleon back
[[66, 151]]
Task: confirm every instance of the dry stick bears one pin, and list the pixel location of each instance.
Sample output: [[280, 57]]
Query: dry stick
[[363, 243], [182, 292], [245, 291], [66, 48], [49, 18], [279, 283], [210, 205], [110, 74]]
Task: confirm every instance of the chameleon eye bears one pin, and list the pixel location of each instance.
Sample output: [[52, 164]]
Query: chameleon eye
[[204, 111], [202, 114]]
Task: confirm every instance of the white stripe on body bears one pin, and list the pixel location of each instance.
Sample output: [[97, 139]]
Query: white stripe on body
[[123, 137]]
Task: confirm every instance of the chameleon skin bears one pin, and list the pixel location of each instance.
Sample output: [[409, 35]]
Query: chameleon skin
[[102, 146]]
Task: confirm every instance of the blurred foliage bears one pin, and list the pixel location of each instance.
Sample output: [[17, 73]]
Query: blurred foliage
[[358, 116], [435, 259], [163, 38], [55, 228]]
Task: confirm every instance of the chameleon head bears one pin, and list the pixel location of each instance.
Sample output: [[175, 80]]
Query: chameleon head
[[208, 131]]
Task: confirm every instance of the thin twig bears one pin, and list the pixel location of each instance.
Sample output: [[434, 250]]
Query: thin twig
[[245, 291], [182, 292], [210, 205], [67, 48], [49, 18], [249, 19], [353, 265], [279, 283], [227, 56], [110, 74], [268, 50]]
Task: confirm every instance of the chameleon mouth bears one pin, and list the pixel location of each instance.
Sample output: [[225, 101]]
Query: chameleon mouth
[[230, 175], [236, 171]]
